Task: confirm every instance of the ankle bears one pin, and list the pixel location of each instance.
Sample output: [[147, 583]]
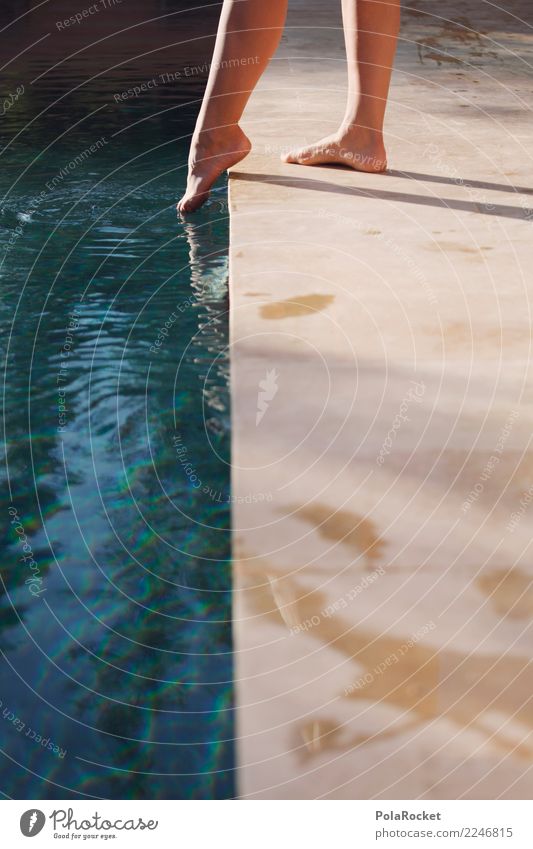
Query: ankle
[[208, 136], [362, 135]]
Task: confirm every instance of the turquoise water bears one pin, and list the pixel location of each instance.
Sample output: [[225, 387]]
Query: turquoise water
[[115, 608]]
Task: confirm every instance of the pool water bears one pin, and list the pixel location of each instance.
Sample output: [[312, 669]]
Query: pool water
[[116, 594]]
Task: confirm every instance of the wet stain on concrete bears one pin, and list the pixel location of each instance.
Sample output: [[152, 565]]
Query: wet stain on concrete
[[342, 526], [451, 35], [318, 734], [461, 29], [299, 305], [486, 693], [510, 592], [444, 247], [460, 333], [441, 58]]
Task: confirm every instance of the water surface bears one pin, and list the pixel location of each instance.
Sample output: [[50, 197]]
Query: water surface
[[115, 612]]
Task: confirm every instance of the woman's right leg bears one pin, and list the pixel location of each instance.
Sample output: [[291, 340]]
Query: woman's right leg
[[248, 34]]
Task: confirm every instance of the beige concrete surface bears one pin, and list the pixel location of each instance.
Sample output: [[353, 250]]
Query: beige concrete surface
[[382, 419]]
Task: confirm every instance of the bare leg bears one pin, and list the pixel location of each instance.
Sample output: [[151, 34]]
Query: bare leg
[[248, 34], [370, 33]]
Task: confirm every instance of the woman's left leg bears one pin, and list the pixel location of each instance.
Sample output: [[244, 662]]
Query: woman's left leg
[[370, 34]]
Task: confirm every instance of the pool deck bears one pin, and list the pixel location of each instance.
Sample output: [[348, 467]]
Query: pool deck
[[383, 416]]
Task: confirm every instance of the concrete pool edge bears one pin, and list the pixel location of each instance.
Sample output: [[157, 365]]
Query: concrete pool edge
[[340, 287]]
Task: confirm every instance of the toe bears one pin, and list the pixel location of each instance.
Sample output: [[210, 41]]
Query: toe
[[288, 157], [192, 202], [297, 157], [307, 157]]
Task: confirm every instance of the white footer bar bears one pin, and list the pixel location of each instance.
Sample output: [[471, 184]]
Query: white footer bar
[[269, 824]]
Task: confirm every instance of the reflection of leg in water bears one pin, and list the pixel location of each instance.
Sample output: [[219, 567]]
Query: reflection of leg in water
[[208, 263]]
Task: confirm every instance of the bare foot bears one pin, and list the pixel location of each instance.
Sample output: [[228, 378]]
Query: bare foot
[[212, 152], [358, 149]]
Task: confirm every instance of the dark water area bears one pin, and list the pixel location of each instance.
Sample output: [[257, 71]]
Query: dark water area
[[115, 611]]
